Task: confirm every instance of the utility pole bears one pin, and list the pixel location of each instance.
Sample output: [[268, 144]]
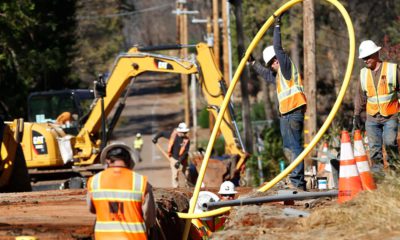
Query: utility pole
[[182, 28], [310, 123], [225, 41], [216, 31], [248, 132]]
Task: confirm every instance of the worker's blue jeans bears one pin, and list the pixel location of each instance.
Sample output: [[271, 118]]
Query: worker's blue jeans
[[382, 133], [291, 126]]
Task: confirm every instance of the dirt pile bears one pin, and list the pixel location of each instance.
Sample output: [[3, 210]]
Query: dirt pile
[[372, 215]]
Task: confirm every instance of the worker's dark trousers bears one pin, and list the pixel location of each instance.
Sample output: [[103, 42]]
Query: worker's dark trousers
[[291, 126]]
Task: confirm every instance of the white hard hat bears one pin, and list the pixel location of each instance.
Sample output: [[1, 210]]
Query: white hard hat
[[227, 187], [182, 127], [115, 145], [138, 135], [367, 48], [204, 197], [268, 54]]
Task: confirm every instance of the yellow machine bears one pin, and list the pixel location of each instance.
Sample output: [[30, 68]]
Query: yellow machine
[[51, 147], [13, 170]]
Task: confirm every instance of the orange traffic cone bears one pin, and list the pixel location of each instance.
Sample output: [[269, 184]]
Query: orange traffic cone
[[349, 180], [324, 158], [360, 156]]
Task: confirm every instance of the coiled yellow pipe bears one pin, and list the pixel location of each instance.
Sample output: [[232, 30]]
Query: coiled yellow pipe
[[234, 81]]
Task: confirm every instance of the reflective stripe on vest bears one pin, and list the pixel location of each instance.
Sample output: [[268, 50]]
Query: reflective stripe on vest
[[118, 206], [290, 93], [383, 98], [185, 142], [119, 227]]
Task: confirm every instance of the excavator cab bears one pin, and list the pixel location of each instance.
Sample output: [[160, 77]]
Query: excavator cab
[[67, 108]]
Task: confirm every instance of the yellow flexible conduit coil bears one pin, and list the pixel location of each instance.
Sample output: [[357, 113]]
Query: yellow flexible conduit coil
[[234, 81]]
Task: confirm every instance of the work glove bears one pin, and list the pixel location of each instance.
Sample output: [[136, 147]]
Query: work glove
[[154, 140], [357, 122], [177, 164], [278, 19], [251, 59]]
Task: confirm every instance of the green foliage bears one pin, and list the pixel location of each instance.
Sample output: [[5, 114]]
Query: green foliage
[[270, 155], [257, 111], [203, 118], [219, 146], [36, 45]]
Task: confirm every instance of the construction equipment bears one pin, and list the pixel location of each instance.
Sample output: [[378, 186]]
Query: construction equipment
[[53, 149], [13, 170]]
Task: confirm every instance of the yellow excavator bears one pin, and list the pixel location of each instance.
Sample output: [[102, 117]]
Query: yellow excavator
[[67, 129]]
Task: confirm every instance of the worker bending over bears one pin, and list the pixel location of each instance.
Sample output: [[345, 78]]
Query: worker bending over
[[377, 94], [121, 199], [282, 72], [178, 152]]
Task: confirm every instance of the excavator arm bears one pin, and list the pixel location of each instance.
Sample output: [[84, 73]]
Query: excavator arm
[[135, 62]]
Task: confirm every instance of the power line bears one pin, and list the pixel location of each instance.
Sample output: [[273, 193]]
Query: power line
[[122, 14]]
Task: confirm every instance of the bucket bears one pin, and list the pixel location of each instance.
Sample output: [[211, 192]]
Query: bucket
[[322, 183]]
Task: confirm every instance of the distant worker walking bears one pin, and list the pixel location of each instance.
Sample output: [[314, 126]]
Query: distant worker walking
[[137, 145], [282, 72], [121, 199], [377, 94], [178, 151]]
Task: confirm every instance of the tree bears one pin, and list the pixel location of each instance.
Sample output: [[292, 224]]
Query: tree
[[36, 42]]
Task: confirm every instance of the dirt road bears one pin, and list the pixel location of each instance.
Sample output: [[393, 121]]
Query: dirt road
[[154, 105]]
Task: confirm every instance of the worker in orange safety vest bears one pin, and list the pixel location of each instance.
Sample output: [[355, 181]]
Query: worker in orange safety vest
[[178, 152], [122, 200], [377, 94], [282, 72]]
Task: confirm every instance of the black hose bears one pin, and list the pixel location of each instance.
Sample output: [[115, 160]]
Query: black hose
[[266, 199]]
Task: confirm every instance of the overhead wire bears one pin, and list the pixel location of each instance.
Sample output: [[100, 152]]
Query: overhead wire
[[123, 14]]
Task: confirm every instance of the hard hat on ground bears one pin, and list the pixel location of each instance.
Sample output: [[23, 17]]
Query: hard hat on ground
[[268, 54], [182, 128], [138, 135], [227, 187], [367, 48], [119, 149]]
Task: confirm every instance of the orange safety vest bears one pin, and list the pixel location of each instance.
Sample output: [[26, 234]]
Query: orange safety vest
[[185, 142], [216, 223], [383, 99], [199, 231], [290, 93], [117, 195]]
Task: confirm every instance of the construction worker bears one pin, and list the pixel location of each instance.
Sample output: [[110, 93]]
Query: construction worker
[[282, 72], [178, 151], [227, 191], [377, 94], [137, 145], [121, 199]]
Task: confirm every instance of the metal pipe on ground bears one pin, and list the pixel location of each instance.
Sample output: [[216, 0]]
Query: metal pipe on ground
[[267, 199]]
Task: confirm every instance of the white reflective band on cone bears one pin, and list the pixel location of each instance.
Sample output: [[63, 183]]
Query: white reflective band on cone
[[348, 171], [346, 153], [359, 149], [362, 166]]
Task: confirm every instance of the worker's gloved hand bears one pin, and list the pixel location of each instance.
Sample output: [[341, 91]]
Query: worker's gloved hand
[[251, 59], [278, 19], [357, 122], [177, 164], [154, 140]]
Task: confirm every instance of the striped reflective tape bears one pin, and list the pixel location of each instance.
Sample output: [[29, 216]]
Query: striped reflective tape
[[359, 149], [120, 227], [117, 195]]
